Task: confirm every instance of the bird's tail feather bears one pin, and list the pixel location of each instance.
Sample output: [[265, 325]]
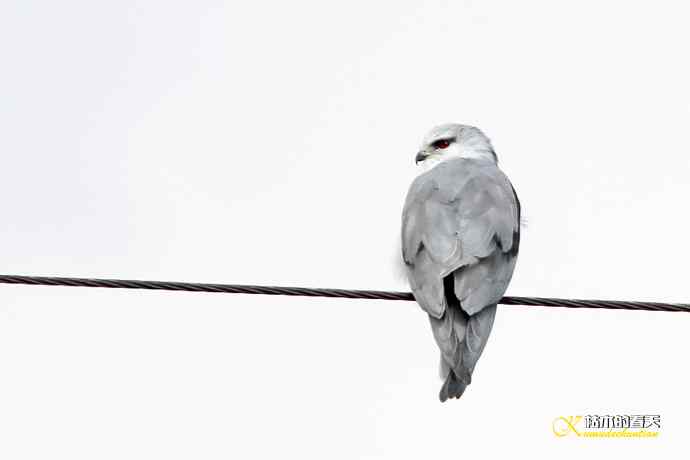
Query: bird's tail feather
[[461, 338], [452, 387]]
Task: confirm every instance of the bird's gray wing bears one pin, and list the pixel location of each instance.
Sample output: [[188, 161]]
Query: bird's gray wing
[[461, 218]]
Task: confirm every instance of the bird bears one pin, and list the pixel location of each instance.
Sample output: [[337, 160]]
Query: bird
[[460, 240]]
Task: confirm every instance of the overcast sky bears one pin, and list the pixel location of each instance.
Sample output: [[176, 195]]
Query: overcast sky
[[273, 142]]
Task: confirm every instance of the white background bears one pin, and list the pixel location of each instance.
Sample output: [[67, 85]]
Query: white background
[[273, 143]]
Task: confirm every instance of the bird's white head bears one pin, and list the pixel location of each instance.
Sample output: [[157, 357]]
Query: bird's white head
[[452, 140]]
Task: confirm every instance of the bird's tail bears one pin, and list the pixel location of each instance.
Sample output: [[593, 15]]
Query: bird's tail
[[461, 338], [452, 387]]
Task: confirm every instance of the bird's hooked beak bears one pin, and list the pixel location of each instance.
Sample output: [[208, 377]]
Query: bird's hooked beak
[[421, 156]]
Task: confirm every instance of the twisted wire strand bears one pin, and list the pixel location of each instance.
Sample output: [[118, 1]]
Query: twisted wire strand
[[322, 292]]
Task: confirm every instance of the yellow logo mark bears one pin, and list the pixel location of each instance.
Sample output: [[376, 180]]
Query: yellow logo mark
[[608, 426], [561, 426]]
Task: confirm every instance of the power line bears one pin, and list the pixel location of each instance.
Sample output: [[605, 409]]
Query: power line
[[320, 292]]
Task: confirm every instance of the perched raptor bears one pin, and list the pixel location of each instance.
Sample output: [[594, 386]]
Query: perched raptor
[[460, 239]]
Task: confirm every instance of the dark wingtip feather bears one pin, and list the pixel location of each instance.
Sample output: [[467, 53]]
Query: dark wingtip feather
[[452, 388]]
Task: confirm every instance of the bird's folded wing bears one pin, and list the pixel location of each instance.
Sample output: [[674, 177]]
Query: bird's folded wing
[[462, 217]]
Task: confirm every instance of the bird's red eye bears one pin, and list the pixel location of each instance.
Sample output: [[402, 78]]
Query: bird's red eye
[[441, 144]]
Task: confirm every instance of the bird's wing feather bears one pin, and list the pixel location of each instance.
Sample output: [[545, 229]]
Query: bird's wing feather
[[461, 217]]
